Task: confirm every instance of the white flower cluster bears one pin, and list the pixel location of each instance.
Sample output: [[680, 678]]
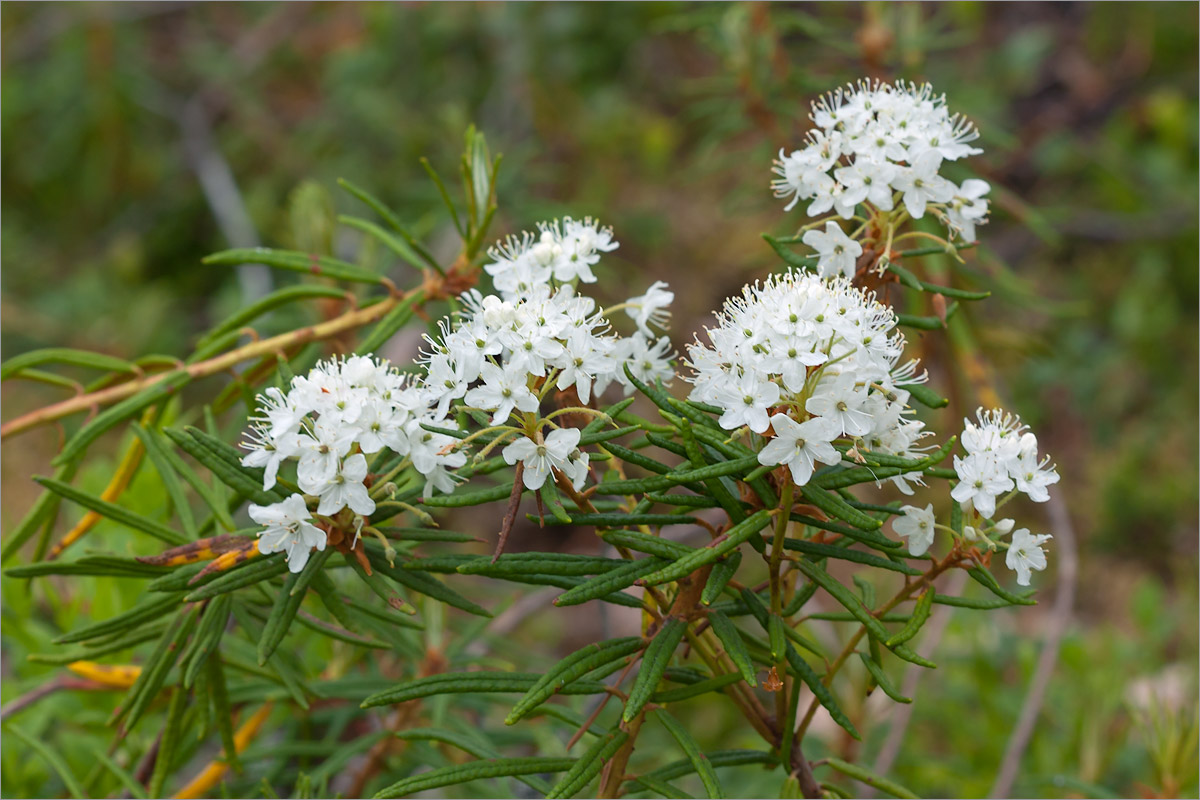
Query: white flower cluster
[[562, 251], [815, 361], [328, 422], [539, 332], [1002, 456], [877, 143]]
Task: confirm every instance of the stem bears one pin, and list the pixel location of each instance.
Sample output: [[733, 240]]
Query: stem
[[202, 369], [787, 495]]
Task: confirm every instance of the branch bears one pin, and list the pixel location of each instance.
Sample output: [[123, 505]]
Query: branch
[[202, 369]]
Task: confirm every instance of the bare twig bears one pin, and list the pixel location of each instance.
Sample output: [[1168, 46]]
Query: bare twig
[[1060, 617]]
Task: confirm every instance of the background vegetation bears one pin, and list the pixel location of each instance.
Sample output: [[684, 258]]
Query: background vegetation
[[139, 137]]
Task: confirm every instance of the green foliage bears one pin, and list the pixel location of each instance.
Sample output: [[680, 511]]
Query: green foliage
[[215, 648]]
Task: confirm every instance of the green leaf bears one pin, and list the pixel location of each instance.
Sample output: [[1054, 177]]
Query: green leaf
[[654, 662], [700, 557], [736, 467], [295, 261], [789, 256], [468, 745], [835, 506], [704, 769], [697, 689], [169, 742], [572, 668], [722, 572], [988, 581], [869, 778], [225, 463], [846, 554], [718, 758], [261, 568], [731, 640], [145, 689], [127, 780], [43, 512], [551, 501], [114, 512], [611, 581], [882, 679], [379, 586], [396, 245], [157, 453], [424, 583], [64, 355], [52, 758], [474, 682], [162, 389], [144, 612], [287, 605], [207, 638], [926, 396], [844, 596], [589, 765], [919, 615], [646, 543], [459, 500], [800, 667], [473, 771], [563, 564]]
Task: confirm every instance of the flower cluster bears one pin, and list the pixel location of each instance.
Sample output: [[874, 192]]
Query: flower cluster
[[328, 422], [878, 144], [502, 354], [1002, 456], [507, 351], [815, 361], [562, 251]]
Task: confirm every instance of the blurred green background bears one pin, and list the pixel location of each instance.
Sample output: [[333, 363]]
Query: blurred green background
[[139, 137]]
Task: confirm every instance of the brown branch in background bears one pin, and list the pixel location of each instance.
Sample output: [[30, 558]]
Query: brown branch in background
[[202, 369], [1060, 617], [931, 637]]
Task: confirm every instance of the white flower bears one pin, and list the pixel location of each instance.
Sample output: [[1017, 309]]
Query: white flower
[[921, 184], [980, 481], [651, 307], [269, 452], [504, 389], [540, 459], [799, 445], [648, 361], [837, 252], [1025, 554], [345, 488], [917, 526], [321, 450], [747, 399], [288, 528], [967, 208], [1032, 476], [842, 402]]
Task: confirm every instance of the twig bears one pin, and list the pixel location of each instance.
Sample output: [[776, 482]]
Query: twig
[[201, 369], [510, 515], [1060, 617]]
